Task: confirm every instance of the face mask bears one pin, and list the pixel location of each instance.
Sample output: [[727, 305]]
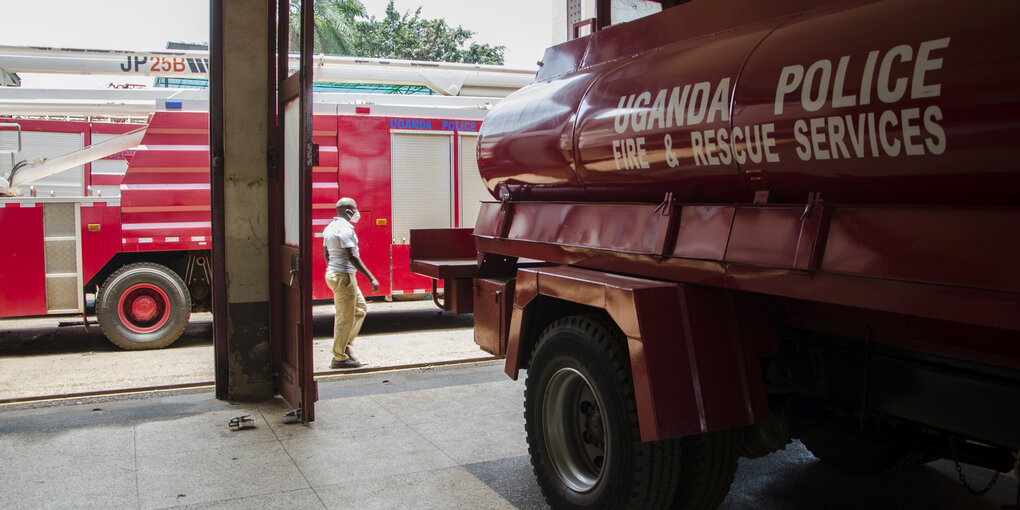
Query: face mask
[[355, 217]]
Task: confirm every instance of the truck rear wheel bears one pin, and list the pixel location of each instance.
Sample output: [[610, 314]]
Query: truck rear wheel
[[143, 306], [582, 427]]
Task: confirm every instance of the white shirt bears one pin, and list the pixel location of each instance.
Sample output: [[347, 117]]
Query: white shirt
[[337, 237]]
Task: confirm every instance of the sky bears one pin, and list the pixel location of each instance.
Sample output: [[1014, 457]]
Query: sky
[[523, 26]]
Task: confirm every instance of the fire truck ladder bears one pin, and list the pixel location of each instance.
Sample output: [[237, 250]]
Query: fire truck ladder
[[31, 170], [449, 79], [459, 86]]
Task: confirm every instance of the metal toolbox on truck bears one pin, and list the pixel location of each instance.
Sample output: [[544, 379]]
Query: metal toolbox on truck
[[493, 304]]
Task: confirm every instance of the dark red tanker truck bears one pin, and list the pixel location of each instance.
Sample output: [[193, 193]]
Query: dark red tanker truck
[[733, 223]]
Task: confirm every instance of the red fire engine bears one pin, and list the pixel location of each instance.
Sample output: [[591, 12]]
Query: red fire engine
[[121, 211], [733, 223]]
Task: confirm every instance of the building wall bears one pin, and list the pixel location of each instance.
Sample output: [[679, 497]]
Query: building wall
[[623, 10]]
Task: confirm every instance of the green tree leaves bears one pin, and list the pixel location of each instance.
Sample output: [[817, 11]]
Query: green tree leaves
[[342, 27], [335, 26], [411, 37]]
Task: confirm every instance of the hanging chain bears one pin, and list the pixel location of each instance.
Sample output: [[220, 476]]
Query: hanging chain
[[963, 479]]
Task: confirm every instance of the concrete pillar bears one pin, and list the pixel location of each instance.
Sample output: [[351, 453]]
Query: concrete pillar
[[241, 188]]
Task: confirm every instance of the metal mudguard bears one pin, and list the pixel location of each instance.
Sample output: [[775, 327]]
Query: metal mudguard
[[693, 369]]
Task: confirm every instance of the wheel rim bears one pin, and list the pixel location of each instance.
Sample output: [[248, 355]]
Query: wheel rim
[[575, 430], [143, 308]]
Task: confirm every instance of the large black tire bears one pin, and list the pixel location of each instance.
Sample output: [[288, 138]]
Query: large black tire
[[143, 306], [583, 437], [857, 455], [708, 463]]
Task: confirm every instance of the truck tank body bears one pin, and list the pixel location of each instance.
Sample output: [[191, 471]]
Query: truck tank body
[[894, 102], [735, 216]]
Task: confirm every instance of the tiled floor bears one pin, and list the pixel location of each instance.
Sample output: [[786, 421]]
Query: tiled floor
[[450, 437], [409, 442]]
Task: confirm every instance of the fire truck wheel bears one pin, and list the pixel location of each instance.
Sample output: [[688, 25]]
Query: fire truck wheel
[[708, 463], [857, 455], [143, 306], [582, 427]]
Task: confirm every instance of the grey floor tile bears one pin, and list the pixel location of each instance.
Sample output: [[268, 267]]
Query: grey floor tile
[[513, 479], [506, 390], [304, 499], [68, 446], [106, 484], [450, 402], [336, 415], [450, 488], [216, 474], [477, 437], [199, 432], [365, 454]]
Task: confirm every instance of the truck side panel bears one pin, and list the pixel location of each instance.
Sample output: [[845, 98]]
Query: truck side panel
[[103, 177], [165, 192], [762, 256], [325, 193], [22, 261], [402, 277], [363, 152], [100, 236]]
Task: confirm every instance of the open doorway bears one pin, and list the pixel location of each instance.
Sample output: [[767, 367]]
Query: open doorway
[[138, 207]]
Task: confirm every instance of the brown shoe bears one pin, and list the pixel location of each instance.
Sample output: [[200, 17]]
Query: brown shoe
[[350, 354], [347, 363]]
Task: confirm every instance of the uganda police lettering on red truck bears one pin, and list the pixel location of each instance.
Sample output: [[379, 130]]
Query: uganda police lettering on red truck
[[885, 77]]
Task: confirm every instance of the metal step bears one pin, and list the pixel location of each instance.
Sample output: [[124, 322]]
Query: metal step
[[61, 247]]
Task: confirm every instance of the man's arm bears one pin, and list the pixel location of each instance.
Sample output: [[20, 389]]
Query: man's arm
[[360, 266], [325, 253]]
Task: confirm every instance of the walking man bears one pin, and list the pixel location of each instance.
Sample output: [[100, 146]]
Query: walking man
[[342, 264]]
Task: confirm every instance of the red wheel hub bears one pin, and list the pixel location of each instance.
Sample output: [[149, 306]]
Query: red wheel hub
[[143, 308]]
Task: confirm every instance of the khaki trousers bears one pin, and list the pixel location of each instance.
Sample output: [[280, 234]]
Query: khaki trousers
[[351, 309]]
